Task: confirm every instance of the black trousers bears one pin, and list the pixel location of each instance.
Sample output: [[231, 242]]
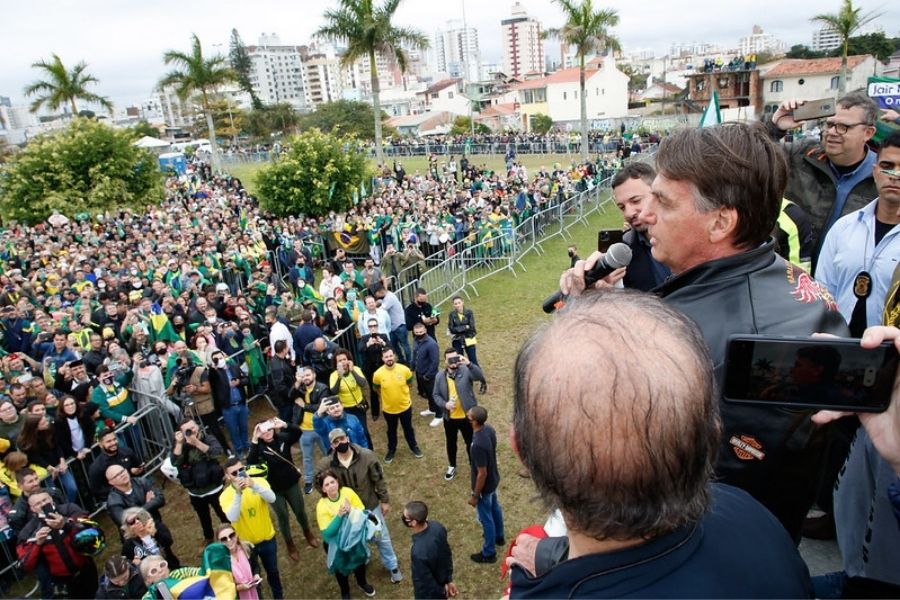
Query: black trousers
[[452, 429], [201, 506]]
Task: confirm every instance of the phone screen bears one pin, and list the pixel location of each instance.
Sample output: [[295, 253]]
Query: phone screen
[[608, 237], [834, 374]]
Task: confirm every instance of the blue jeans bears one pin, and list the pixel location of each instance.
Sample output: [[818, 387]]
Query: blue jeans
[[308, 442], [267, 552], [67, 481], [829, 585], [385, 547], [400, 341], [491, 516], [236, 422]]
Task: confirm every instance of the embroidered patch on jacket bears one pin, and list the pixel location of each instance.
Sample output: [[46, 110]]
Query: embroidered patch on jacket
[[808, 290], [747, 448]]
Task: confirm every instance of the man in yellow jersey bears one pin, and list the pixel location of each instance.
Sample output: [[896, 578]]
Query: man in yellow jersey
[[308, 394], [245, 501], [392, 382], [349, 384]]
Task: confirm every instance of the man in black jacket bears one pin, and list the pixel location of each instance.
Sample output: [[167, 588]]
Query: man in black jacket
[[308, 395], [431, 559], [227, 383], [111, 454], [714, 204], [271, 445], [281, 378]]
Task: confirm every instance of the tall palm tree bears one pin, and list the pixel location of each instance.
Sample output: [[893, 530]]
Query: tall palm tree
[[63, 87], [195, 74], [847, 21], [588, 31], [367, 30]]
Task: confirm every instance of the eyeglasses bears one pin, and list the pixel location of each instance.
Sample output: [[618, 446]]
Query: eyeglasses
[[131, 521], [238, 473], [227, 537], [842, 128], [159, 568]]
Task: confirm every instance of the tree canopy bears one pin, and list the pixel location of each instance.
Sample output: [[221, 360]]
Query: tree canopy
[[847, 21], [344, 117], [87, 167], [319, 173], [62, 87]]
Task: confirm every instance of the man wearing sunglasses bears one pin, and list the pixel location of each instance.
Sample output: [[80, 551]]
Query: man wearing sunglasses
[[831, 178], [245, 501]]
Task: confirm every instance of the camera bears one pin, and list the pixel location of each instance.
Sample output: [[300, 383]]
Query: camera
[[189, 433], [453, 360]]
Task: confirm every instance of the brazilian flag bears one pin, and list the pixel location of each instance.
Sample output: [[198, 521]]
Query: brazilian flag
[[212, 580], [349, 239], [161, 329]]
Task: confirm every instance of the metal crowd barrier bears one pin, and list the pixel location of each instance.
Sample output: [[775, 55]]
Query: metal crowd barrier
[[152, 443]]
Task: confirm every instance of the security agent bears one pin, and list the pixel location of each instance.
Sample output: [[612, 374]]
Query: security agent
[[634, 489]]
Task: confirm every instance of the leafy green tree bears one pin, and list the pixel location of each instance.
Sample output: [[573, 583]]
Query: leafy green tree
[[877, 44], [264, 121], [847, 21], [143, 128], [319, 173], [367, 29], [62, 87], [462, 125], [802, 51], [87, 167], [196, 74], [345, 117], [241, 64], [541, 124], [588, 30], [228, 117]]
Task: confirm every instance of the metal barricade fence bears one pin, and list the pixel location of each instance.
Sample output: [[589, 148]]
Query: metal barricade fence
[[152, 435]]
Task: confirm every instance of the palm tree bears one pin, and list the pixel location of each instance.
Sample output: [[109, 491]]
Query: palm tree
[[847, 21], [367, 30], [198, 75], [588, 31], [63, 87]]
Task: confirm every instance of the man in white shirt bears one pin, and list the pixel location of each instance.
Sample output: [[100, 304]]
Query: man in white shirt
[[278, 331]]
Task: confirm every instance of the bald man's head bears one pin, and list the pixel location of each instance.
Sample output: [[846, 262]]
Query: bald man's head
[[615, 415]]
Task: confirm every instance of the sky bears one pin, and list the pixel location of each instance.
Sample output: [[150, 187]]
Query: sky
[[123, 40]]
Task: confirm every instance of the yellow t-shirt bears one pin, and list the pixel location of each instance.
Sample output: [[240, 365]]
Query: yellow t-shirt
[[457, 412], [393, 385], [255, 524], [327, 509], [350, 392], [307, 423]]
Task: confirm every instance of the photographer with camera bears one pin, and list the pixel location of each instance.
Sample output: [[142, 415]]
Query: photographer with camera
[[49, 536], [191, 390], [195, 457], [454, 394]]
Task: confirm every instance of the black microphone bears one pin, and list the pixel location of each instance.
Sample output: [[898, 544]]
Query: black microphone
[[618, 256]]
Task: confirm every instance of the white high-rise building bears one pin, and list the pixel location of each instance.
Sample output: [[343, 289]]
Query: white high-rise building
[[456, 52], [523, 48], [277, 72], [758, 41], [826, 38], [322, 76]]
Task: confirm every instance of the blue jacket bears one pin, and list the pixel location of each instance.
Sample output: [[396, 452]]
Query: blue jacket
[[425, 357], [349, 423]]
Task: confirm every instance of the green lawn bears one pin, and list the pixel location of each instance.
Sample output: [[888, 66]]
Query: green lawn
[[246, 172]]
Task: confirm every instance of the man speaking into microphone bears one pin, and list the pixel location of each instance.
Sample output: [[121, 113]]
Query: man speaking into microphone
[[712, 208]]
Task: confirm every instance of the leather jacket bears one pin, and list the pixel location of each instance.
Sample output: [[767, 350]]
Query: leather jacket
[[759, 292]]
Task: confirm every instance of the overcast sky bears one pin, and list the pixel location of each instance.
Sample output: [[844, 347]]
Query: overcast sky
[[123, 41]]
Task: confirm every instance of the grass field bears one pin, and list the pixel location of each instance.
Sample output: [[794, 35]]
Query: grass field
[[507, 309], [246, 172]]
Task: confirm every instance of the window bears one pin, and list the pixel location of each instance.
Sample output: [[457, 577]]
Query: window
[[835, 81], [776, 86], [435, 96], [564, 96], [575, 95], [450, 95]]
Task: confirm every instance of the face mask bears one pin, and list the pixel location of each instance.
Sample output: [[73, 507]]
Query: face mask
[[407, 522], [220, 364], [342, 447], [571, 253], [211, 320]]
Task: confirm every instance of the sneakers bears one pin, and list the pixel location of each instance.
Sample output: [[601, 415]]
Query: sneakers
[[308, 488], [389, 457], [450, 474], [426, 413], [417, 452], [435, 422], [481, 558], [367, 589], [396, 576], [500, 542]]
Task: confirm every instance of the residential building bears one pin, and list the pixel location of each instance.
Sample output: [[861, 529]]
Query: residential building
[[456, 52], [276, 72], [164, 106], [556, 95], [322, 76], [812, 79], [658, 90], [445, 95], [737, 89], [423, 124], [523, 48], [826, 38], [759, 41]]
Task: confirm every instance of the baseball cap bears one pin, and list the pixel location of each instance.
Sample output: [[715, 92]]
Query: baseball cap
[[336, 433]]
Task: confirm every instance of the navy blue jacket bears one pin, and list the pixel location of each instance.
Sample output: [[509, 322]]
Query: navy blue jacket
[[737, 550], [425, 357]]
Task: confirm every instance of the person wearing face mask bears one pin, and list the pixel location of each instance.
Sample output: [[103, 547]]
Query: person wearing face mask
[[454, 394], [431, 559], [227, 383], [573, 255], [425, 365]]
